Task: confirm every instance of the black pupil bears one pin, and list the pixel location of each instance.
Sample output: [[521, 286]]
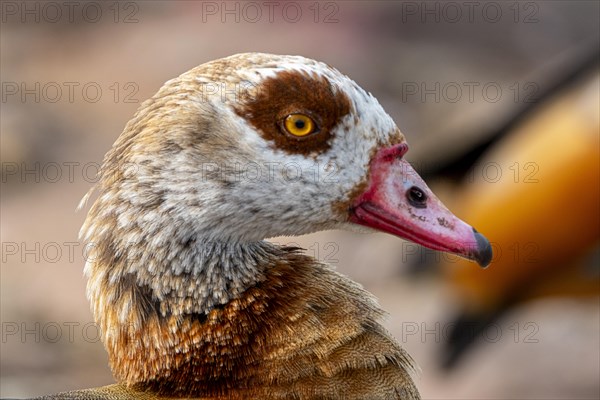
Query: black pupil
[[416, 197], [299, 124]]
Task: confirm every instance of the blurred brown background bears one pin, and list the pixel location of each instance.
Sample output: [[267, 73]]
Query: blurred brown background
[[449, 73]]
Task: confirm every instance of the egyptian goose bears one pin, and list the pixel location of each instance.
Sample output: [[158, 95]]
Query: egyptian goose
[[191, 300]]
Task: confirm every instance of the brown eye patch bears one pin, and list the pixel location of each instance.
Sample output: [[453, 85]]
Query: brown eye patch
[[295, 92]]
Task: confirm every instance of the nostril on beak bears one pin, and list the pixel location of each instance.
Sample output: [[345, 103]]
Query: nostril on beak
[[416, 197]]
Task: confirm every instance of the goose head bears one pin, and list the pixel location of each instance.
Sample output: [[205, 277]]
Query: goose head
[[257, 145]]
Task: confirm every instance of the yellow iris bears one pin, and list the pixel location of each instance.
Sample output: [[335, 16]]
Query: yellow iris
[[299, 124]]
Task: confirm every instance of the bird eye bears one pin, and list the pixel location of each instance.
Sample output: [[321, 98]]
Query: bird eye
[[299, 125]]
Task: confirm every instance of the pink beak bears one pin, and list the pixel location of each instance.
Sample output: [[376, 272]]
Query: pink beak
[[397, 201]]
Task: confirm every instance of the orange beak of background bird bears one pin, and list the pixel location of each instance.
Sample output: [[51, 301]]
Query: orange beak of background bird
[[398, 201]]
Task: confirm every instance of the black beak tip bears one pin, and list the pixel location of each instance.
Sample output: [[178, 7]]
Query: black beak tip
[[484, 250]]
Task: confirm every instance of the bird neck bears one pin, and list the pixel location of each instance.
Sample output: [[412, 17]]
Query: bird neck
[[249, 320], [177, 277], [199, 275], [154, 305]]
